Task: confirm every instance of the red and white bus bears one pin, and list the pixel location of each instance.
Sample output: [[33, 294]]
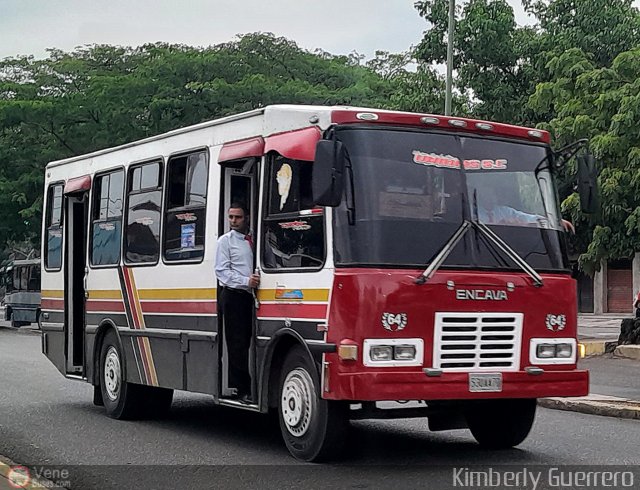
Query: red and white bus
[[403, 257]]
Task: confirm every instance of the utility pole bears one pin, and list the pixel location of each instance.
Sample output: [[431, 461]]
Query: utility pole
[[447, 100]]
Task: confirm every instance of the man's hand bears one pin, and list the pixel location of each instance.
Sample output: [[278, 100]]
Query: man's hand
[[254, 280], [568, 226]]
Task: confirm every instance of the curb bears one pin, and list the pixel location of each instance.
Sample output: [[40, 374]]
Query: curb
[[608, 406], [598, 347], [628, 351]]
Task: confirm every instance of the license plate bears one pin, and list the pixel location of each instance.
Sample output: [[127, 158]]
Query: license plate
[[483, 382]]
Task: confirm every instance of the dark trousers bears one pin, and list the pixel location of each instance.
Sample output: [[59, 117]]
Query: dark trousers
[[236, 307]]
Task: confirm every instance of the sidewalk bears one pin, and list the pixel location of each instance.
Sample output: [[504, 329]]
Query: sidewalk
[[599, 334]]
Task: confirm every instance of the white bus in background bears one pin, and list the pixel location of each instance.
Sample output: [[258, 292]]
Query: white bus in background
[[22, 292]]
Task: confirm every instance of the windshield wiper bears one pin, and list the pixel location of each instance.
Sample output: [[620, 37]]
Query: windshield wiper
[[509, 252], [448, 247], [445, 251]]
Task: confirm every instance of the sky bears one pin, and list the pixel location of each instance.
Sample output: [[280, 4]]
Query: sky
[[29, 27]]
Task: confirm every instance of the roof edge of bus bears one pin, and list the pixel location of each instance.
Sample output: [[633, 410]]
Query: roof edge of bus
[[174, 132], [264, 110]]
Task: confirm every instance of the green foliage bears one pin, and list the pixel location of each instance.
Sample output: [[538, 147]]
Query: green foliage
[[101, 96], [601, 104], [575, 73], [490, 54]]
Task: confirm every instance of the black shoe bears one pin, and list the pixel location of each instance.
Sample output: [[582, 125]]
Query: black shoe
[[245, 398]]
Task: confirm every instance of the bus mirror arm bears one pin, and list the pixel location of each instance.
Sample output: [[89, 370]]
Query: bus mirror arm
[[566, 153], [561, 156]]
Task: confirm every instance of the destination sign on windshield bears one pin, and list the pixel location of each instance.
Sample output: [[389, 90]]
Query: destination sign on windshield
[[448, 161]]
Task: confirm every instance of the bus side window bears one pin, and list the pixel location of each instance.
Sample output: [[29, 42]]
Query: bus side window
[[293, 232], [53, 250], [106, 218], [142, 236], [184, 231], [34, 278], [16, 278]]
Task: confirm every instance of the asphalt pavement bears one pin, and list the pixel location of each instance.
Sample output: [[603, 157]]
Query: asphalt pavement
[[614, 380]]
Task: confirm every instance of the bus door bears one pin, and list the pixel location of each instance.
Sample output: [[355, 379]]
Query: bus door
[[75, 270], [239, 186]]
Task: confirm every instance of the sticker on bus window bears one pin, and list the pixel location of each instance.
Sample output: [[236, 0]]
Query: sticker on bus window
[[284, 176], [186, 217], [295, 225], [188, 235], [435, 160], [448, 161], [485, 164]]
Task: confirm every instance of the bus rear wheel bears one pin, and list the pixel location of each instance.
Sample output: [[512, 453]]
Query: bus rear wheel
[[313, 429], [121, 399], [501, 424]]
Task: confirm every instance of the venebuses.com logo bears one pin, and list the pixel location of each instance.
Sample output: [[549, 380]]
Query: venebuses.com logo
[[19, 477]]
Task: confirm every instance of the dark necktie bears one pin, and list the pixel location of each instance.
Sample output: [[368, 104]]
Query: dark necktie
[[248, 238]]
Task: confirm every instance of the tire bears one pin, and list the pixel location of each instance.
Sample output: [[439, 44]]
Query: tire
[[156, 402], [501, 424], [17, 324], [313, 429], [122, 400]]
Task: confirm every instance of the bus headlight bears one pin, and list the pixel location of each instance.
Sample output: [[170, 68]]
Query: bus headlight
[[381, 353], [404, 352], [552, 351], [564, 351], [546, 351], [393, 352]]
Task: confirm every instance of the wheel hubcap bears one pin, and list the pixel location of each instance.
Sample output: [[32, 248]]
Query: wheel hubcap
[[298, 401], [112, 373]]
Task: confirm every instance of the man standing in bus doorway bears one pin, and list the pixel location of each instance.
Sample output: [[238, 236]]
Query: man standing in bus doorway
[[234, 266]]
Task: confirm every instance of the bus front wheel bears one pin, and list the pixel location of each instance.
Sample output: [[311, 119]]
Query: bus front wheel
[[501, 424], [313, 429]]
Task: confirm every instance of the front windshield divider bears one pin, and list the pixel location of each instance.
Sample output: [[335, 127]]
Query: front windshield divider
[[499, 242], [444, 253]]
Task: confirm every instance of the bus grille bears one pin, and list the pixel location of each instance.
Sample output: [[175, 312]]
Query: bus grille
[[477, 341]]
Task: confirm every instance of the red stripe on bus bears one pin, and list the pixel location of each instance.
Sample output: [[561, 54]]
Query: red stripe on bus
[[293, 311], [52, 304], [131, 297], [209, 307], [94, 306], [145, 360]]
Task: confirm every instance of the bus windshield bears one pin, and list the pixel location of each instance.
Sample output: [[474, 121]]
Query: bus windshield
[[413, 189]]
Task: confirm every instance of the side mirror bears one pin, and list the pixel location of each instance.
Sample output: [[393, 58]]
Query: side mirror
[[588, 183], [327, 182]]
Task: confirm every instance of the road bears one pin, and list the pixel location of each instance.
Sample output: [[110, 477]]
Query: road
[[48, 420]]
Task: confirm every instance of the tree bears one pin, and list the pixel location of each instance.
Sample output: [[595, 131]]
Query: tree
[[602, 104], [574, 73], [101, 96], [492, 55], [417, 90]]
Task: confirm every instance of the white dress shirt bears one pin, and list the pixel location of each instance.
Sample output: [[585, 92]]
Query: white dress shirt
[[234, 260], [505, 215]]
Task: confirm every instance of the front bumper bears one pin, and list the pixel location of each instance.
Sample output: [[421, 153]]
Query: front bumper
[[398, 385]]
